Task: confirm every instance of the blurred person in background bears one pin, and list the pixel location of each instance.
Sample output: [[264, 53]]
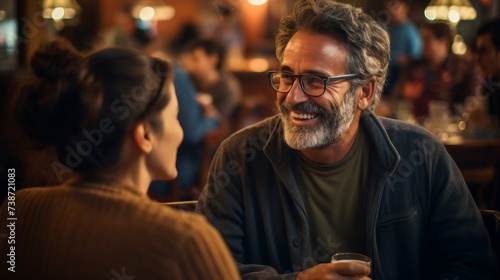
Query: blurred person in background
[[439, 74], [406, 46], [126, 33], [198, 117], [205, 61], [112, 117], [488, 58]]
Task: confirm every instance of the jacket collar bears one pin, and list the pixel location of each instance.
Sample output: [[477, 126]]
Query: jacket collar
[[387, 157]]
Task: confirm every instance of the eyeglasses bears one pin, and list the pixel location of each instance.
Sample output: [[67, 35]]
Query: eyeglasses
[[312, 85]]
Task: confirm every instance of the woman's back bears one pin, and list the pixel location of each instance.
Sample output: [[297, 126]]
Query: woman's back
[[97, 231]]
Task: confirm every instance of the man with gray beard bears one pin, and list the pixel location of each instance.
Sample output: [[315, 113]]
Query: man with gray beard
[[326, 175]]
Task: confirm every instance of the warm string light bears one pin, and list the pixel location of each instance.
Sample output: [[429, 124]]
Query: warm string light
[[450, 10], [147, 12], [257, 2], [458, 47], [258, 64], [59, 10]]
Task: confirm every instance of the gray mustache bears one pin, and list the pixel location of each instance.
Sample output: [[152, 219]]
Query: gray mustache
[[305, 107]]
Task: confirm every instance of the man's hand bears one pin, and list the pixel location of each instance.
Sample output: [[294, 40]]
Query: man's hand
[[336, 271], [205, 100]]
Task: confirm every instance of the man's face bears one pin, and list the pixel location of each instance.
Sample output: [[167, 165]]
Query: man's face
[[198, 63], [398, 11], [488, 57], [433, 47], [315, 122]]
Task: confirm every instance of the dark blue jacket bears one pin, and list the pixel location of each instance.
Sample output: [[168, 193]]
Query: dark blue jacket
[[422, 222], [194, 125]]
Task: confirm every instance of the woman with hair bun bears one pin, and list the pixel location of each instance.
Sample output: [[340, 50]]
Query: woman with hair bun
[[112, 118]]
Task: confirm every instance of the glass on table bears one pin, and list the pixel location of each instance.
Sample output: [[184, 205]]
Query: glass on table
[[352, 257], [438, 115]]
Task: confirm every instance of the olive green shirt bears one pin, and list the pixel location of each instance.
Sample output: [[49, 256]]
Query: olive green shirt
[[333, 196]]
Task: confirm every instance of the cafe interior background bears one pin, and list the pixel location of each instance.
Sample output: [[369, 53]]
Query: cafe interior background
[[24, 24], [247, 28]]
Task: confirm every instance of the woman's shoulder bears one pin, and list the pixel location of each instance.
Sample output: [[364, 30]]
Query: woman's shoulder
[[35, 192], [189, 234]]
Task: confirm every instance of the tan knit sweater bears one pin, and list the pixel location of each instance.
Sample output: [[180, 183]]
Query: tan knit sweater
[[95, 231]]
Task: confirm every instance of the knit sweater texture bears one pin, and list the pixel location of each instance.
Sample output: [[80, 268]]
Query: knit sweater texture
[[101, 231]]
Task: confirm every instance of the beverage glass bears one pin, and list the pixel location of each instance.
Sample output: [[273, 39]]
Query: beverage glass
[[352, 257], [438, 115]]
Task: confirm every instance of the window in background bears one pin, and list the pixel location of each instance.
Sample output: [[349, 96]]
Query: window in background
[[8, 36]]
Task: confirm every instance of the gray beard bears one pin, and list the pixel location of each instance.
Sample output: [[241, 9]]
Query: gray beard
[[332, 127]]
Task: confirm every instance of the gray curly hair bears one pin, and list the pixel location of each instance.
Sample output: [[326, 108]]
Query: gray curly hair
[[366, 39]]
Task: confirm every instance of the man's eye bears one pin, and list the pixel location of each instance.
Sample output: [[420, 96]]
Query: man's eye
[[285, 78], [314, 81]]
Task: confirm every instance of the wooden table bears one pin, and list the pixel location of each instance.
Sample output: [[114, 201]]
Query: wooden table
[[479, 162]]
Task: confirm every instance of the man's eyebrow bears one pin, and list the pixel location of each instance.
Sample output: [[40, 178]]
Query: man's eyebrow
[[310, 72], [285, 68]]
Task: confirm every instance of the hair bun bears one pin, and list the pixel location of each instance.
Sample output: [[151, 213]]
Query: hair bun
[[55, 60]]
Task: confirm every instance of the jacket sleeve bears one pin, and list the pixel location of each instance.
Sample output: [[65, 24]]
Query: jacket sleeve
[[458, 238], [222, 204], [194, 124], [257, 272]]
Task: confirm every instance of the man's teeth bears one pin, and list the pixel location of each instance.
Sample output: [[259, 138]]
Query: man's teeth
[[303, 116]]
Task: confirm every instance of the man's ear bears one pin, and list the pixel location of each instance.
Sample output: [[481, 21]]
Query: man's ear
[[367, 94], [143, 137]]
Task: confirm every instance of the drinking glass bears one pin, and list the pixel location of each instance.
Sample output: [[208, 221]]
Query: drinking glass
[[352, 257]]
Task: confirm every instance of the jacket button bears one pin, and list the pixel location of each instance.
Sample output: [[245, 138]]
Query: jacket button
[[297, 242]]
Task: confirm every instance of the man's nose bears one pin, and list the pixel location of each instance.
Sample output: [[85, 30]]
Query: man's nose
[[296, 94]]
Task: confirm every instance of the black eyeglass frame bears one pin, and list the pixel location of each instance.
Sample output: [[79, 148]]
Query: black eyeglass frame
[[326, 81]]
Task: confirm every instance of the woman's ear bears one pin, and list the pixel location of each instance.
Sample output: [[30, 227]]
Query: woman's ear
[[367, 94], [143, 137]]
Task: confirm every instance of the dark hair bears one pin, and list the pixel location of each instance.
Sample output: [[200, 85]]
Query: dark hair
[[491, 27], [441, 30], [85, 105], [185, 36], [366, 40], [211, 47]]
